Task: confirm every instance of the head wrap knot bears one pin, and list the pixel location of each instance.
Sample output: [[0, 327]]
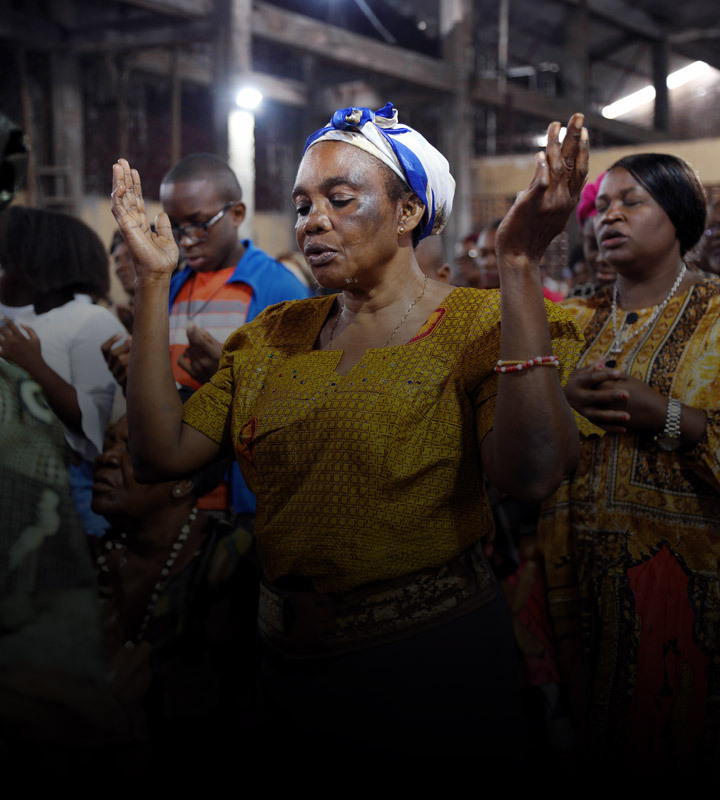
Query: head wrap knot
[[406, 152]]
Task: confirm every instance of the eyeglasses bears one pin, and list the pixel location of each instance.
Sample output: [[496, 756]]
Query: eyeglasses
[[198, 232], [712, 229]]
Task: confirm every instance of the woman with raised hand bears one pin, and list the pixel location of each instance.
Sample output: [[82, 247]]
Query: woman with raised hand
[[366, 423]]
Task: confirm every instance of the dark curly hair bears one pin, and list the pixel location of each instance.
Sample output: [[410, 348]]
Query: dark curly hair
[[52, 251]]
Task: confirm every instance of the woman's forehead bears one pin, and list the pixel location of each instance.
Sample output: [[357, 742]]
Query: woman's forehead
[[332, 160]]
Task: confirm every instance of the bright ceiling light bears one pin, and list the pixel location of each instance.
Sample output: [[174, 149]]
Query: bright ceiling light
[[248, 98], [645, 95]]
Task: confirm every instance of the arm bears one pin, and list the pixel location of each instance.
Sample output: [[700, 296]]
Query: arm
[[26, 353], [162, 446], [534, 440]]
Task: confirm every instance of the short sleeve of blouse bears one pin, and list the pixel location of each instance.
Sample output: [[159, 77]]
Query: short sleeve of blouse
[[209, 409], [483, 349], [235, 384]]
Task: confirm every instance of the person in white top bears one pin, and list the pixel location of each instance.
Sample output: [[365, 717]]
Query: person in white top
[[56, 263]]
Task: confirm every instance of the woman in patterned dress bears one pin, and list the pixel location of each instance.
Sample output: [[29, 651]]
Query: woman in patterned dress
[[631, 541], [365, 423]]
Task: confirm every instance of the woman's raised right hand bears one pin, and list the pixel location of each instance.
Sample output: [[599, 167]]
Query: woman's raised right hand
[[155, 253]]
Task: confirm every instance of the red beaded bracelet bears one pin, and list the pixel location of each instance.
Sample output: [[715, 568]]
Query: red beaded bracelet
[[519, 366]]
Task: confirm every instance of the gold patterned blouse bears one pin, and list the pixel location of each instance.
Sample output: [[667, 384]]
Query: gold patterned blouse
[[374, 474]]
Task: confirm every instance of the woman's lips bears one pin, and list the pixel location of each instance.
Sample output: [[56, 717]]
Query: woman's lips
[[103, 483], [319, 258], [612, 239]]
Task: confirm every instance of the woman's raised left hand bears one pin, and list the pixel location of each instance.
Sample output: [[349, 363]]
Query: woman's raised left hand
[[540, 212]]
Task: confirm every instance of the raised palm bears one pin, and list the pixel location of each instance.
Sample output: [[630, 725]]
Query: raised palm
[[540, 212], [155, 253]]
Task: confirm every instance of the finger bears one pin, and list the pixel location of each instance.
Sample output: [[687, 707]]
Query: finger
[[184, 362], [595, 376], [137, 191], [608, 416], [556, 165], [106, 346], [163, 227], [123, 348], [606, 396], [118, 186], [571, 144], [539, 182], [577, 179], [30, 333]]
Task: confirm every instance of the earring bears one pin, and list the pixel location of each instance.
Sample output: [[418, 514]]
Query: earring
[[177, 490], [401, 229]]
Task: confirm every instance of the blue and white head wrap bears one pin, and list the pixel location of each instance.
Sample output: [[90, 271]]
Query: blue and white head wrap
[[408, 154]]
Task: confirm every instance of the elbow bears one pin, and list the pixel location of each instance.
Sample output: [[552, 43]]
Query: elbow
[[146, 472], [547, 479], [536, 478]]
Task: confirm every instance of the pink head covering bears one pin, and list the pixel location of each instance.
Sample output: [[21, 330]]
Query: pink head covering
[[586, 206]]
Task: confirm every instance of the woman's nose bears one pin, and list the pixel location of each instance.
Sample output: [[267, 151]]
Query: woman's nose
[[316, 220], [612, 211], [109, 455]]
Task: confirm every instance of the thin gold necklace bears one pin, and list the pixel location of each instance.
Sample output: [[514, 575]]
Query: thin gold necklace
[[397, 327]]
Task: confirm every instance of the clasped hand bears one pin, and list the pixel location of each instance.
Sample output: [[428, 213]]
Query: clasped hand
[[202, 356], [615, 401]]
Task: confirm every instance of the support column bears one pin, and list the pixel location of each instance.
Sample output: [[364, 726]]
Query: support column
[[660, 63], [456, 30], [176, 109], [67, 136], [68, 168], [576, 72], [235, 127]]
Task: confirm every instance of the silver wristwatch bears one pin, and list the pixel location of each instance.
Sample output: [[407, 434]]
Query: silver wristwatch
[[669, 439]]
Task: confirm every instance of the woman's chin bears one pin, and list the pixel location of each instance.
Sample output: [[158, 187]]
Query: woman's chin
[[330, 279]]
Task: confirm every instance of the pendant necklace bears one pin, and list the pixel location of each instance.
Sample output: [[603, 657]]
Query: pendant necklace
[[619, 341]]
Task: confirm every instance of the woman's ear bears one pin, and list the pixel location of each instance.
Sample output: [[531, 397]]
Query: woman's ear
[[411, 212], [181, 489]]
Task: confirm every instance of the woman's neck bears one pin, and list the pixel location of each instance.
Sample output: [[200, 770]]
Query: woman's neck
[[54, 299], [155, 534], [635, 292]]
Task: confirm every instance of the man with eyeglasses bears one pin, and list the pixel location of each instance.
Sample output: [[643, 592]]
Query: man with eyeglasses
[[709, 245], [224, 282]]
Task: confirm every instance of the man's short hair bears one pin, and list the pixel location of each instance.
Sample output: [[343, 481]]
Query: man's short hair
[[206, 167]]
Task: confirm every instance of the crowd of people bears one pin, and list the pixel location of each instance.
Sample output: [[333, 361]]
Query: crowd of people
[[468, 509]]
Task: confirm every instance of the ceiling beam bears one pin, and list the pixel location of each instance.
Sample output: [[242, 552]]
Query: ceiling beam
[[145, 34], [175, 8], [36, 32], [331, 43], [624, 16], [549, 108], [196, 69]]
